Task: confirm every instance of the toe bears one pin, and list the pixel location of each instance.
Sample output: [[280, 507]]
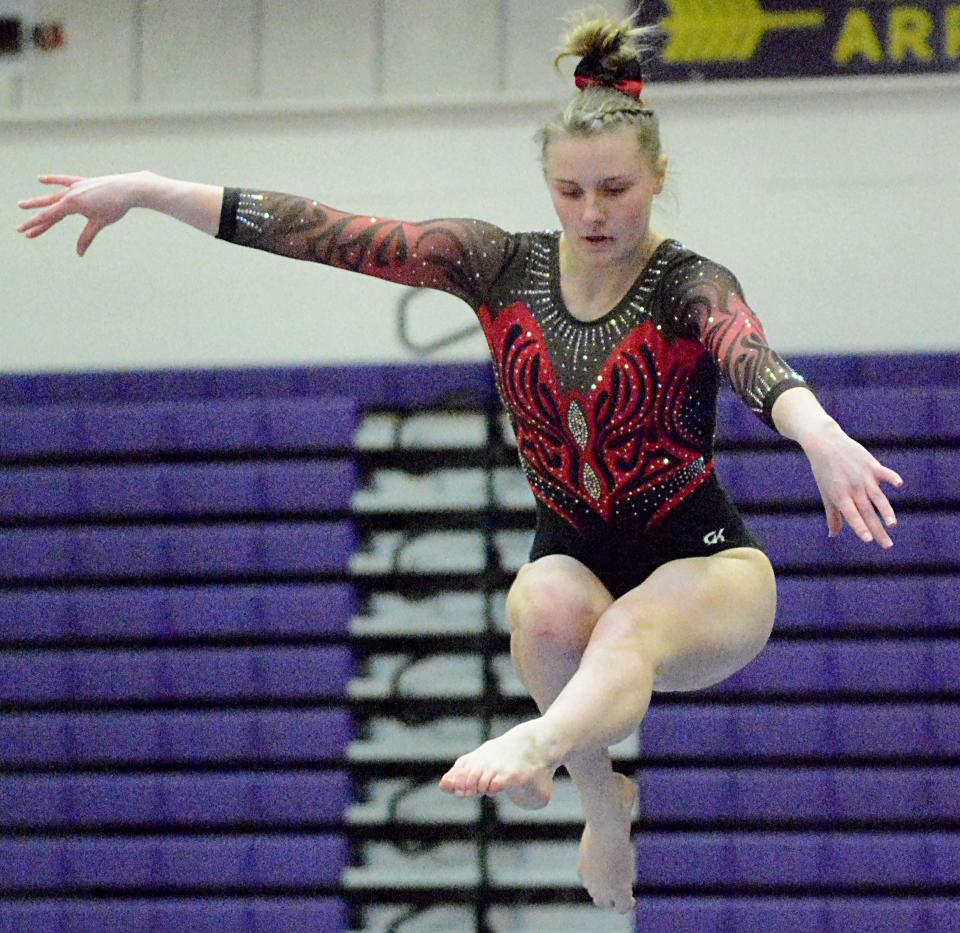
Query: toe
[[467, 783], [485, 781], [452, 780]]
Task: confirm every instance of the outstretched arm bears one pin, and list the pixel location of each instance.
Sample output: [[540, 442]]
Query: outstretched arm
[[463, 257], [460, 256], [847, 474], [106, 199]]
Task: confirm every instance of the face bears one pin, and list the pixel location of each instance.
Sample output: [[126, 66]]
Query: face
[[602, 190]]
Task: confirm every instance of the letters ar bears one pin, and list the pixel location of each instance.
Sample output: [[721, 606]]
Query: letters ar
[[910, 32]]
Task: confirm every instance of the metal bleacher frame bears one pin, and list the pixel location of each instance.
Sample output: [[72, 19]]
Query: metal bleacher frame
[[492, 581]]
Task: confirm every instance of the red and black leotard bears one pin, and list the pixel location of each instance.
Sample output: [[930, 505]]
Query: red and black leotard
[[614, 418]]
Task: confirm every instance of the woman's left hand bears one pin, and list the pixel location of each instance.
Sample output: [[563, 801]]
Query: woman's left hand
[[849, 478]]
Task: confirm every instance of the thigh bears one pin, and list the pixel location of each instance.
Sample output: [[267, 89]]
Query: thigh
[[707, 616]]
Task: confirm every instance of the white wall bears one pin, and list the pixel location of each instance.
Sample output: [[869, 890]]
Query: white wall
[[834, 202]]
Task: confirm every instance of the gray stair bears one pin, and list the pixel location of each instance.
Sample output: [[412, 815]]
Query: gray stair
[[411, 835]]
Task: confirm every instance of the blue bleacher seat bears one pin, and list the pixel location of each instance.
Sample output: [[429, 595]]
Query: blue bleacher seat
[[165, 737], [867, 603], [173, 613], [867, 666], [210, 426], [175, 491], [682, 914], [166, 674], [141, 863], [800, 541], [224, 550], [814, 730], [799, 859], [802, 793], [784, 478], [88, 801], [883, 414], [195, 914]]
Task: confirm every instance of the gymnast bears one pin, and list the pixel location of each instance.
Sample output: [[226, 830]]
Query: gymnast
[[608, 341]]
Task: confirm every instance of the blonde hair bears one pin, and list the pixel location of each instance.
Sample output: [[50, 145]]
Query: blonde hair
[[618, 45]]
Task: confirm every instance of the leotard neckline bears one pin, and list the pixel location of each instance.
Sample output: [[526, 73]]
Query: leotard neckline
[[649, 271]]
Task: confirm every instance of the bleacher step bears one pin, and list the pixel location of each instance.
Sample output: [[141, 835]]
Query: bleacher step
[[387, 552], [429, 430], [406, 801], [501, 919], [449, 865], [443, 739], [448, 613]]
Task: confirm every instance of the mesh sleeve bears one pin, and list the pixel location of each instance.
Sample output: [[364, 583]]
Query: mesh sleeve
[[709, 300], [459, 256]]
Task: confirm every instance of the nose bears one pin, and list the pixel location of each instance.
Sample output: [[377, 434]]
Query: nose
[[592, 210]]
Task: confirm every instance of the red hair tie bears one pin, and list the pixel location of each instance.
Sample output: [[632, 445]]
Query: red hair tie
[[631, 88]]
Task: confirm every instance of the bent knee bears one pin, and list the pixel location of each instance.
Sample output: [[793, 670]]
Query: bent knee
[[556, 599]]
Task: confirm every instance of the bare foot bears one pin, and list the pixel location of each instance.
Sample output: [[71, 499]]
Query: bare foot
[[608, 862], [514, 762]]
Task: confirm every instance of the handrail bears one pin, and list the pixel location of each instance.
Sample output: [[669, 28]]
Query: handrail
[[424, 349]]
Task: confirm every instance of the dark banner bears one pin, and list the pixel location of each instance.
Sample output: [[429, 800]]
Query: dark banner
[[724, 39]]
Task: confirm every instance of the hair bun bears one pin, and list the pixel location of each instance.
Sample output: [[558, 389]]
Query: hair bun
[[610, 51], [593, 70]]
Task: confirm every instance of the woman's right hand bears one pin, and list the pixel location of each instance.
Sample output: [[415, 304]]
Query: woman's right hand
[[103, 201]]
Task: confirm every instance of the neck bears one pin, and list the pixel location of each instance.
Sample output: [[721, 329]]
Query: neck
[[593, 284]]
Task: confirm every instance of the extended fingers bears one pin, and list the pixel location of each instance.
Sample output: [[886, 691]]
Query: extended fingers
[[60, 179], [882, 505], [45, 201], [46, 218], [868, 512], [862, 519], [54, 213], [38, 224]]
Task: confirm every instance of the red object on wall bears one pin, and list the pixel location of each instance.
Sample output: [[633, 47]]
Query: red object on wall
[[49, 36]]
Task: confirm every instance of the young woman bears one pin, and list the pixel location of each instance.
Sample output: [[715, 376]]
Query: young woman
[[608, 342]]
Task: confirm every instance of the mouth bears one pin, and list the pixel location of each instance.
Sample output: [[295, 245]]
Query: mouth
[[598, 239]]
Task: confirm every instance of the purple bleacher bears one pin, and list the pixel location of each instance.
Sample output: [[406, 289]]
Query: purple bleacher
[[226, 550], [254, 799], [657, 914], [163, 737], [377, 384], [887, 369], [175, 491], [139, 864], [881, 415], [167, 674], [798, 859], [758, 731], [210, 426], [195, 915], [405, 386], [172, 613], [784, 478], [799, 541], [865, 667], [827, 604], [797, 794]]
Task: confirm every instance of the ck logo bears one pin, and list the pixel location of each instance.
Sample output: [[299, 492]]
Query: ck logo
[[714, 537]]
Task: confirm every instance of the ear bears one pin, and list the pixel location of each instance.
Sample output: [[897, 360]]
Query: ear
[[661, 174]]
